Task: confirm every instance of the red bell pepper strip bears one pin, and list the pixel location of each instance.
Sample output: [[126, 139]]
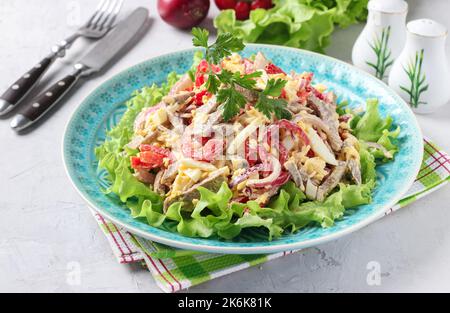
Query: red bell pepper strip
[[199, 97], [150, 157], [273, 69]]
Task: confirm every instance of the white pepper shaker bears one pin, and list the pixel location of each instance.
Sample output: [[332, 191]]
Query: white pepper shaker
[[420, 75], [383, 37]]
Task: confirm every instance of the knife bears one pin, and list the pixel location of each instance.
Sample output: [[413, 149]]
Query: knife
[[94, 61]]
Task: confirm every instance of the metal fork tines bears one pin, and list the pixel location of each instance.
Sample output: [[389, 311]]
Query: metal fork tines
[[97, 26], [102, 20]]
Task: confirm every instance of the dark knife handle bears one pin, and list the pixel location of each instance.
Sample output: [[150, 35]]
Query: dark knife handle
[[37, 108], [24, 85]]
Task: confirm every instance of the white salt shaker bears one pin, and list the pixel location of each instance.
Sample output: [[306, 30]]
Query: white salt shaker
[[383, 37], [421, 75]]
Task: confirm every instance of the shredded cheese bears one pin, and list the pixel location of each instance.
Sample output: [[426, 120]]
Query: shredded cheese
[[193, 164]]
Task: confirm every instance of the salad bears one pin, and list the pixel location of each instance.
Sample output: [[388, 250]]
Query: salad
[[238, 143]]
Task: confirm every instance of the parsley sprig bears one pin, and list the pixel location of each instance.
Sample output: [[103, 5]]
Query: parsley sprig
[[224, 46], [268, 105], [225, 83], [232, 99]]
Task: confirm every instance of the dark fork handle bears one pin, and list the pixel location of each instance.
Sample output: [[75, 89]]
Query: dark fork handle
[[23, 85], [37, 108], [26, 83]]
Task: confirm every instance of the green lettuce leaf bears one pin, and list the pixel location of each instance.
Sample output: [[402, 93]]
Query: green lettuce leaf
[[190, 227], [389, 142], [349, 12], [303, 24], [126, 185], [153, 213], [371, 127], [354, 195], [367, 161], [215, 215], [287, 211]]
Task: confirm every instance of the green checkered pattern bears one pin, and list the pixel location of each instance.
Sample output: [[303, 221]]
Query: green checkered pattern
[[186, 268], [175, 269]]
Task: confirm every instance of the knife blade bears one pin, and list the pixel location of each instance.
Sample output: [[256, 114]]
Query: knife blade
[[108, 48], [94, 61]]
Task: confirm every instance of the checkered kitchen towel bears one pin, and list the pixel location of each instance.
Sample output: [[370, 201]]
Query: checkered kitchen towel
[[175, 269]]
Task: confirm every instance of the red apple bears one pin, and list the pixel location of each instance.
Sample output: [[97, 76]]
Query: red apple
[[183, 14]]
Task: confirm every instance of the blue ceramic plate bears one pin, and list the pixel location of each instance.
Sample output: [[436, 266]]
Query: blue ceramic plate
[[105, 106]]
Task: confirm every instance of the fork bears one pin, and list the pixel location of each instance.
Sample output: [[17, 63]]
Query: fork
[[96, 27]]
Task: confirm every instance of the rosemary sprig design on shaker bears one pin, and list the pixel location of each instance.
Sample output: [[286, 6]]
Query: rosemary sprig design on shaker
[[417, 79], [383, 53]]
